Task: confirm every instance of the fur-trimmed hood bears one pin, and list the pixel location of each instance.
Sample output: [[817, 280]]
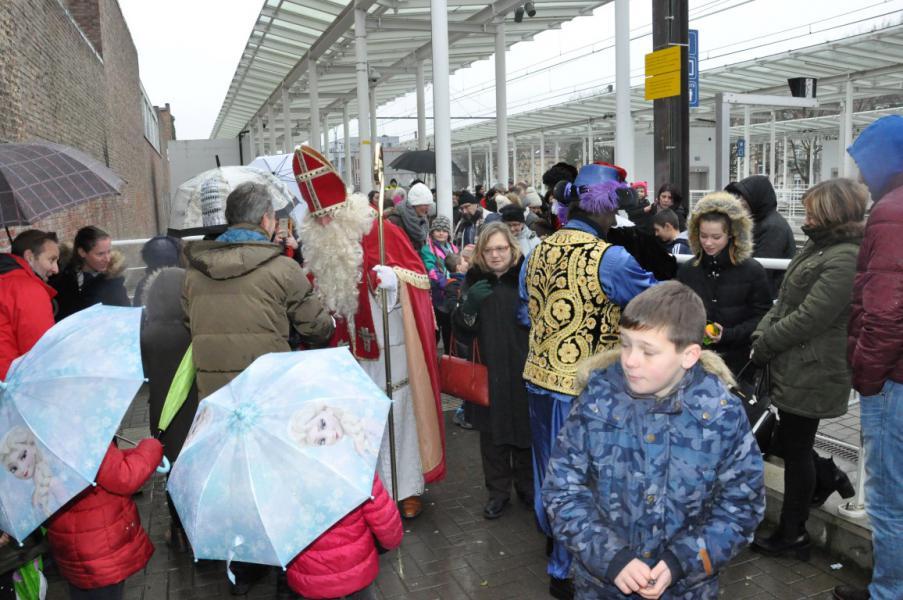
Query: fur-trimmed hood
[[845, 232], [710, 361], [115, 269], [741, 225]]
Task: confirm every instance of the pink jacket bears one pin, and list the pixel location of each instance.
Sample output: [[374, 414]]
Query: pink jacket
[[344, 560]]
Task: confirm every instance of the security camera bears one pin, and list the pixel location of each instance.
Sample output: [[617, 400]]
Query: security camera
[[374, 76]]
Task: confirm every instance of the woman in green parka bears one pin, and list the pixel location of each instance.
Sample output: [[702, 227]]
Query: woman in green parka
[[804, 340]]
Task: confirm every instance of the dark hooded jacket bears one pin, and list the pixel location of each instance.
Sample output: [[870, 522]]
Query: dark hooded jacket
[[875, 344], [503, 345], [164, 340], [105, 288], [240, 300], [733, 286], [772, 235]]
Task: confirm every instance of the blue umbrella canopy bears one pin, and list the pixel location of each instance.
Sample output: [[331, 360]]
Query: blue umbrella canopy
[[60, 407], [278, 456]]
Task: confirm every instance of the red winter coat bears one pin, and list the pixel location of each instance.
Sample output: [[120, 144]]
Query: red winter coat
[[97, 538], [344, 559], [875, 348], [26, 311]]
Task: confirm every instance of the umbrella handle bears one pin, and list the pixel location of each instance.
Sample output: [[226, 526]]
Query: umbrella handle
[[164, 466]]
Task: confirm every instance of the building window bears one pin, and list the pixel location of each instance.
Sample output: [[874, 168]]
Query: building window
[[151, 123]]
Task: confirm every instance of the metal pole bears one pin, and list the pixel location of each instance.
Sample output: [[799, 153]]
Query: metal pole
[[374, 130], [421, 106], [489, 171], [846, 161], [469, 167], [252, 139], [258, 138], [288, 140], [722, 142], [557, 152], [772, 172], [441, 108], [542, 154], [590, 150], [514, 159], [746, 141], [501, 104], [365, 150], [346, 134], [313, 88], [533, 165], [812, 146], [271, 125], [326, 148], [624, 133]]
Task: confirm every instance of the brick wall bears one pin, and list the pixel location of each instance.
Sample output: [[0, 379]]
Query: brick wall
[[54, 84]]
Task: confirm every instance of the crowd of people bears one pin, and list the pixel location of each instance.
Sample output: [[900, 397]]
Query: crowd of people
[[616, 373]]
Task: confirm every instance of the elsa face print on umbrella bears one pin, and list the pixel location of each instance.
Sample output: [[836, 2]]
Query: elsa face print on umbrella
[[59, 408], [278, 456]]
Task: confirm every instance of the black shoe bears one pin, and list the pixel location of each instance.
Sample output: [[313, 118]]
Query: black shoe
[[563, 589], [777, 545], [840, 483], [846, 592], [494, 508]]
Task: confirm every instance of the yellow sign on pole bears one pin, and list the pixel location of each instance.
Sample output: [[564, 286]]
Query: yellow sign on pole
[[663, 73]]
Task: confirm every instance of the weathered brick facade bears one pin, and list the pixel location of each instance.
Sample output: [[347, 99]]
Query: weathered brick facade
[[69, 74]]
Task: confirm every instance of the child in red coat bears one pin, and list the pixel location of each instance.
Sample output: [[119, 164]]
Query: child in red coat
[[344, 560], [96, 539]]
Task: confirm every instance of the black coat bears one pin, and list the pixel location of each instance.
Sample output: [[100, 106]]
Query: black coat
[[735, 296], [772, 235], [104, 288], [503, 346], [164, 340]]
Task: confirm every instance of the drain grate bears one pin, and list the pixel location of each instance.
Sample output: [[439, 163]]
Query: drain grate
[[838, 448]]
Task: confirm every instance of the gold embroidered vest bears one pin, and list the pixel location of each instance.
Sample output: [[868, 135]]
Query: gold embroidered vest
[[572, 318]]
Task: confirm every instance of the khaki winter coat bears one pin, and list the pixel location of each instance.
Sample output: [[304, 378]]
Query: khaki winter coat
[[240, 300]]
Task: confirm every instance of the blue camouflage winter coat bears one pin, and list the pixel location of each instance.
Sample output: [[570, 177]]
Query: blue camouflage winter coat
[[678, 479]]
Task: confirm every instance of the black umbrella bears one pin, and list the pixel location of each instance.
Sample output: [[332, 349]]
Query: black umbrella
[[420, 161], [40, 178]]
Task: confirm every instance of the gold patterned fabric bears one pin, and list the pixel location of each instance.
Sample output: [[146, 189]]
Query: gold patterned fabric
[[572, 318]]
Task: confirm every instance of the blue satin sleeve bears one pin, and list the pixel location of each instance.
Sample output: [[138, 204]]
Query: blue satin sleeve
[[622, 276]]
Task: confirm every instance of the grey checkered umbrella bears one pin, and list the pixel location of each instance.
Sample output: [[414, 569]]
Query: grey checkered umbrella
[[40, 178]]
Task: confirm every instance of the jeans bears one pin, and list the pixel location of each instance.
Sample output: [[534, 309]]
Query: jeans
[[547, 415], [882, 436]]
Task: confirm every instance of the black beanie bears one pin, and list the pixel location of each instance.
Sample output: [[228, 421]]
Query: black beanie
[[512, 214], [466, 197]]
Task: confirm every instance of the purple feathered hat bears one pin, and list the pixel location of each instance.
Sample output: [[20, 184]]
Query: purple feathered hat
[[596, 187]]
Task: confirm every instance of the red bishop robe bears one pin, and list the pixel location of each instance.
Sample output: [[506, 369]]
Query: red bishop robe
[[420, 345]]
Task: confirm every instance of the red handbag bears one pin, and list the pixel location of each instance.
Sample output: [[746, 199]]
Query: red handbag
[[464, 379]]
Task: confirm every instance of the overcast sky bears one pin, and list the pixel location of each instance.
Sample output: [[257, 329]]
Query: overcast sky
[[188, 51]]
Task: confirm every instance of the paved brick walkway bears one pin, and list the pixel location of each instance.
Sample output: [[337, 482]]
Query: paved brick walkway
[[450, 552]]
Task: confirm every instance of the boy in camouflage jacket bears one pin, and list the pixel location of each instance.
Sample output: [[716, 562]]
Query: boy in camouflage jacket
[[656, 481]]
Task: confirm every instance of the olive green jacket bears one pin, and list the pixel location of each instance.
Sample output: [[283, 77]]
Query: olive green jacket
[[804, 336], [240, 300]]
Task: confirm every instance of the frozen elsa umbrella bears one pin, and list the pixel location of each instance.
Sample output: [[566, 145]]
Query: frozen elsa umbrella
[[60, 407], [278, 456]]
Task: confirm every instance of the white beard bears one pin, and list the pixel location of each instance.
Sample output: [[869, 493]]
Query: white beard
[[335, 256]]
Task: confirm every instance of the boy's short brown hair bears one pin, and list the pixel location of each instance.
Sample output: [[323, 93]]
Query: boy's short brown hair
[[666, 216], [671, 306]]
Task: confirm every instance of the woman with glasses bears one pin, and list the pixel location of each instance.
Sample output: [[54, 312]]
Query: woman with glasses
[[488, 315]]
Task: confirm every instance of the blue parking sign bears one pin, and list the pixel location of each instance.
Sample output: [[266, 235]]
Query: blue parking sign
[[693, 68], [741, 148]]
